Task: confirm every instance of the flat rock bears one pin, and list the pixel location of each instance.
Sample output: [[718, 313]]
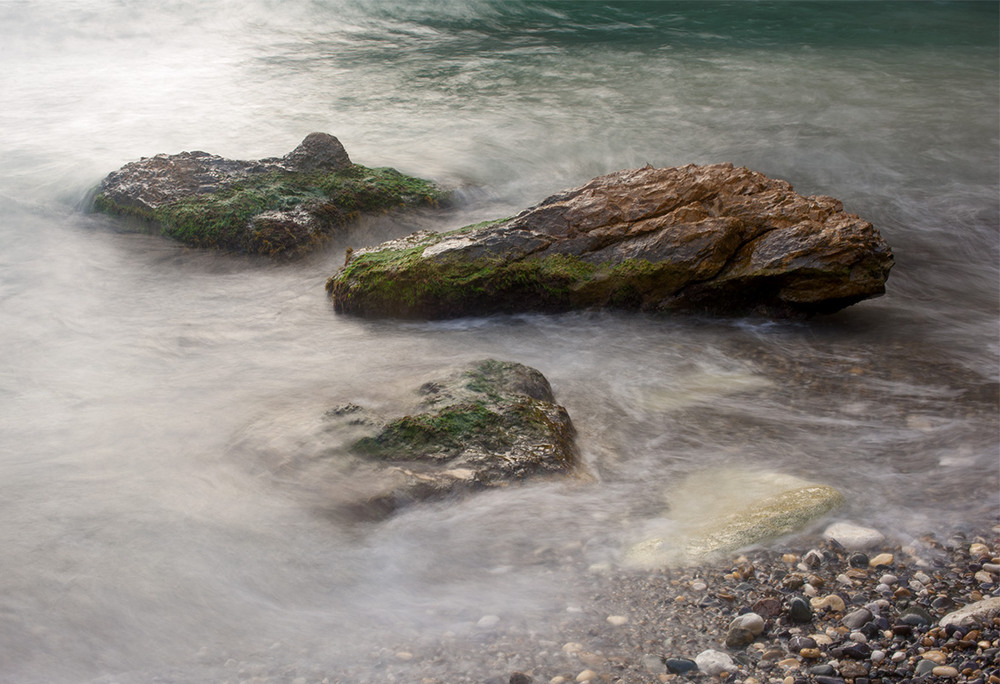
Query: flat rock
[[715, 238], [283, 206], [748, 507]]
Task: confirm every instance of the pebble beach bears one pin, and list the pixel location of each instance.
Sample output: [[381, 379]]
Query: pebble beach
[[805, 610]]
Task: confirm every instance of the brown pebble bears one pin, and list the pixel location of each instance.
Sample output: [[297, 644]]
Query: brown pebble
[[767, 607], [811, 653], [902, 592], [944, 671], [935, 656]]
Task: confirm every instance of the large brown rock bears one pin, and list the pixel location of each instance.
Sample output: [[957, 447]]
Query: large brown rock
[[714, 238]]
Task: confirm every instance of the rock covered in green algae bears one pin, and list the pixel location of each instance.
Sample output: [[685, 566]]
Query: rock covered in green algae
[[485, 425], [283, 206], [714, 238]]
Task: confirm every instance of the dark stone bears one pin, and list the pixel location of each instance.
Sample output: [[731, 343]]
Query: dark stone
[[942, 603], [853, 650], [713, 238], [823, 679], [797, 643], [915, 616], [680, 665], [858, 560], [823, 670], [924, 667], [520, 678], [799, 610], [857, 619], [318, 152]]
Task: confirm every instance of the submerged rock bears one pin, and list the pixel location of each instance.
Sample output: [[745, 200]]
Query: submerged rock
[[747, 508], [487, 425], [714, 238], [283, 206]]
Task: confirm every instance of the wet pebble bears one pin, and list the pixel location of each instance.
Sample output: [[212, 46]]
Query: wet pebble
[[799, 611]]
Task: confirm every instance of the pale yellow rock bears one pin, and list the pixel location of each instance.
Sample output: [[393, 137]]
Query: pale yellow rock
[[558, 679], [831, 602], [747, 507], [572, 647], [978, 550], [617, 620], [586, 676], [935, 657], [789, 664], [881, 559]]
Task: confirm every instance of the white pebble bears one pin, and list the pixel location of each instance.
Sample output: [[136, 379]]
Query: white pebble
[[922, 578], [859, 638], [751, 622], [699, 586], [898, 657], [586, 676], [889, 579], [617, 620], [809, 590], [877, 656], [488, 621], [853, 537], [845, 580], [883, 589], [714, 662]]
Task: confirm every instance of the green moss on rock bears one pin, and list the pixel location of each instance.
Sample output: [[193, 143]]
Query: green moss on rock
[[402, 282], [225, 219]]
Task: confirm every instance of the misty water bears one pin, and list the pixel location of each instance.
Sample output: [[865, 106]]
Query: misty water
[[164, 514]]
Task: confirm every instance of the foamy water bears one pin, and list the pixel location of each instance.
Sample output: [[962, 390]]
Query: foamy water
[[162, 489]]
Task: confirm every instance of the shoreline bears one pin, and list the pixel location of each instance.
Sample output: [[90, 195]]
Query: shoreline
[[649, 626]]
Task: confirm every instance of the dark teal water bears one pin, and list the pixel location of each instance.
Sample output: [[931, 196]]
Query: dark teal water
[[160, 461]]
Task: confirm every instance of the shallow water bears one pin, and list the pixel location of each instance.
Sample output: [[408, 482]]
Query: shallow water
[[162, 509]]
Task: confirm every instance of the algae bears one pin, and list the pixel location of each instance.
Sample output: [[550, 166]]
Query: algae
[[402, 282], [222, 219]]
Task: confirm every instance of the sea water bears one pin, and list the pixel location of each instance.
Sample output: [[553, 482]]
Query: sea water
[[164, 510]]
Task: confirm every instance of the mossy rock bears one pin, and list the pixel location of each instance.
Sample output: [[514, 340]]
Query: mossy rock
[[283, 207], [705, 239], [485, 425]]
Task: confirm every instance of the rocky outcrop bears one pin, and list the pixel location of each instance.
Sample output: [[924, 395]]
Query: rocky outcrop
[[283, 206], [486, 425], [714, 238]]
